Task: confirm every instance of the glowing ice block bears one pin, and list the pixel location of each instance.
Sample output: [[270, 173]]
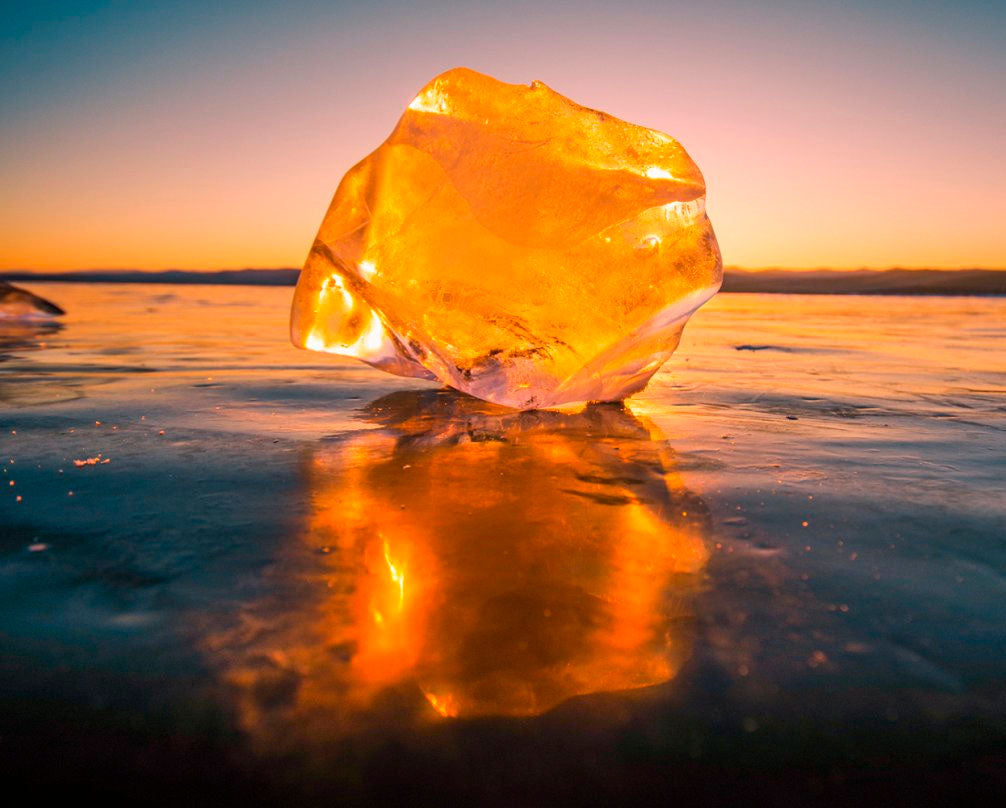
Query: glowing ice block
[[514, 245]]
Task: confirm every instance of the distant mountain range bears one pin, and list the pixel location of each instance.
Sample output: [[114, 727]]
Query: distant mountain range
[[867, 281], [772, 281], [224, 277]]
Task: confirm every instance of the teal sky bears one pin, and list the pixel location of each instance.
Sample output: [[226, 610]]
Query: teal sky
[[194, 135]]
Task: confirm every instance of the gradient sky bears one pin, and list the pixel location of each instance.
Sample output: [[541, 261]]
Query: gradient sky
[[213, 135]]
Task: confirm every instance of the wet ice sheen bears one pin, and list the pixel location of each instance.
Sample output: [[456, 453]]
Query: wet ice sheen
[[839, 626]]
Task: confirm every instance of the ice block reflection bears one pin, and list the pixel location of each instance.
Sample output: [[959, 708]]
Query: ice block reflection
[[498, 562]]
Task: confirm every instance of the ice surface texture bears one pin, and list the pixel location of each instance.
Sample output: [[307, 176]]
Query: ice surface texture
[[514, 245]]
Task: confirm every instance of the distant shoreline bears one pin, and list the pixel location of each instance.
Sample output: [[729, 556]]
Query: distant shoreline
[[223, 277], [867, 281], [982, 282]]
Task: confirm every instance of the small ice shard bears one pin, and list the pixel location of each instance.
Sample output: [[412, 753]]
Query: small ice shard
[[513, 245], [91, 461], [21, 304]]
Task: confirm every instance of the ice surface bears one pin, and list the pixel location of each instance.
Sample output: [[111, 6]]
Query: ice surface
[[858, 655], [513, 245]]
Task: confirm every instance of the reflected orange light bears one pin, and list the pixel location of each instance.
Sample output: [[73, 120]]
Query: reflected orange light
[[489, 561], [444, 705]]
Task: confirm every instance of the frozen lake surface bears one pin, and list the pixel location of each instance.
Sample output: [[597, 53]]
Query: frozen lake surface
[[231, 569]]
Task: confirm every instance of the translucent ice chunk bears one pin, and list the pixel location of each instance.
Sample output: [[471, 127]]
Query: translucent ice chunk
[[21, 304], [514, 245]]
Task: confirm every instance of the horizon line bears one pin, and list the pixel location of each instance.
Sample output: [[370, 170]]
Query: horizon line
[[726, 268]]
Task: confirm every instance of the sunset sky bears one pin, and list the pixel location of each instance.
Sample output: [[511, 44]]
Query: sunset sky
[[213, 135]]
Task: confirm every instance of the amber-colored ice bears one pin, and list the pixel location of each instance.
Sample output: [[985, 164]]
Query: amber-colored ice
[[514, 245]]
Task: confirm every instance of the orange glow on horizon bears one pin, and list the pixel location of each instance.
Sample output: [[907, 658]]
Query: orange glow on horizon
[[827, 138]]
